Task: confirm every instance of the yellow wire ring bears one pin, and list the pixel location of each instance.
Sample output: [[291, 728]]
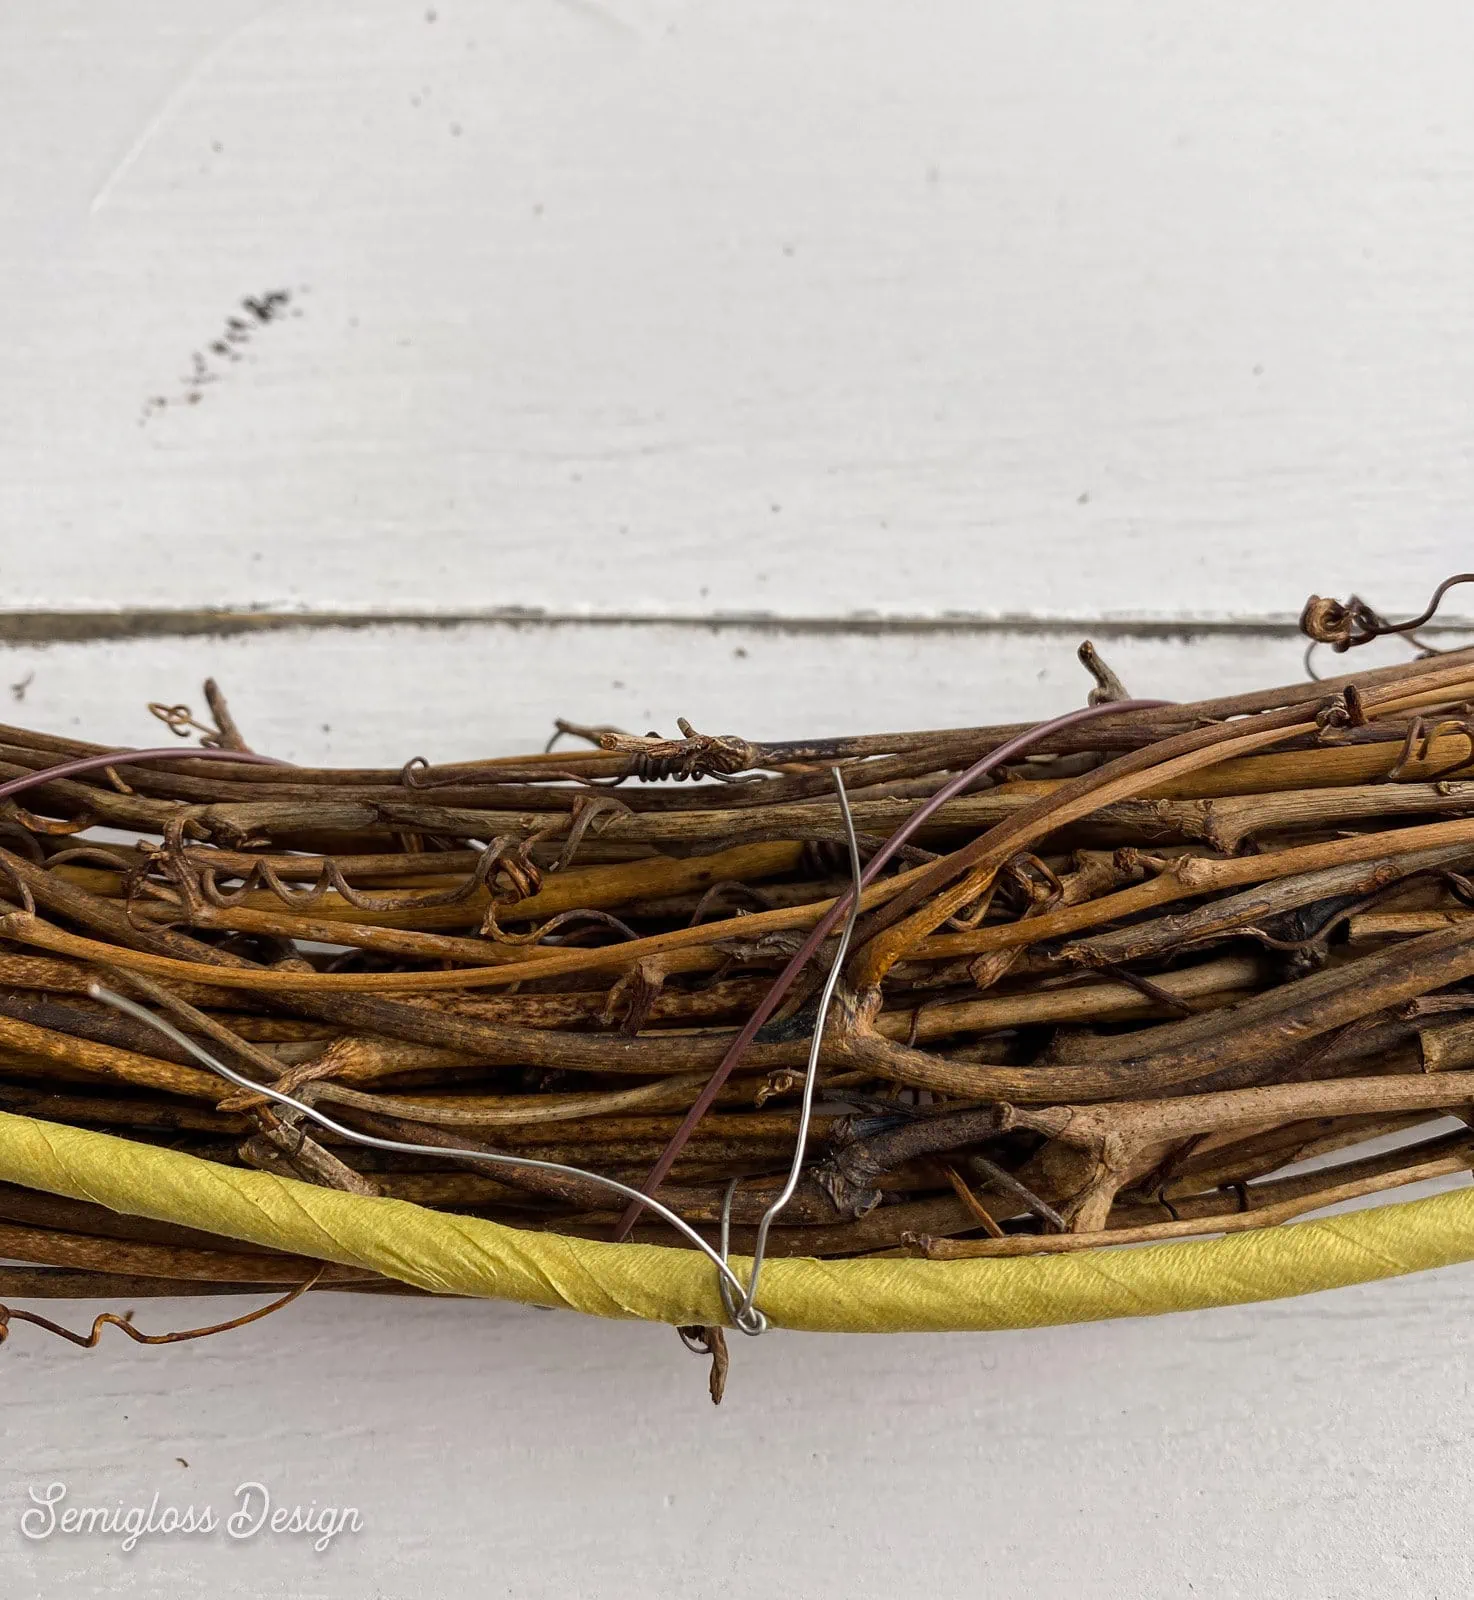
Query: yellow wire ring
[[470, 1256]]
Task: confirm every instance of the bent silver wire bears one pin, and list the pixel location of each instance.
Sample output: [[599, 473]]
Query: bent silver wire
[[811, 1079], [736, 1298], [751, 1322]]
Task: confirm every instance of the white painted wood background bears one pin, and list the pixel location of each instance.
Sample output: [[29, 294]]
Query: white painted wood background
[[643, 312]]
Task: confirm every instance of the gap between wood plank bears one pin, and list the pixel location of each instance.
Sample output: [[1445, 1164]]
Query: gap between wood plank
[[35, 627]]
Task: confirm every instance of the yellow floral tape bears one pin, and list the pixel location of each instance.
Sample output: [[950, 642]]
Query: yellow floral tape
[[464, 1255]]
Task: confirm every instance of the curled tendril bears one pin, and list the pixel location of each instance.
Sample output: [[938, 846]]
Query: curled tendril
[[13, 880], [1035, 879], [180, 721], [490, 929], [969, 917], [1038, 880], [110, 1319], [1341, 711], [1417, 745], [113, 858], [133, 867], [199, 885], [25, 840], [589, 811], [1346, 624], [729, 889]]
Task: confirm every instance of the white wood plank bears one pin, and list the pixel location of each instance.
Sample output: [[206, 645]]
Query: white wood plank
[[641, 305], [1309, 1448], [347, 696]]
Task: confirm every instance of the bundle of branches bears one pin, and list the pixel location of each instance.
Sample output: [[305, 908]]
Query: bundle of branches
[[1111, 975]]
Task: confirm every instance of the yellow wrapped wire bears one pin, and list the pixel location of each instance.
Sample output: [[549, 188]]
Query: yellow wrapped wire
[[470, 1256]]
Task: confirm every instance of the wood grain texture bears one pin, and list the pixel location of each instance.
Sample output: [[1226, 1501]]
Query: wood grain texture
[[1117, 309]]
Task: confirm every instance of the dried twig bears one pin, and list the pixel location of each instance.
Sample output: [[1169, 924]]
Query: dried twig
[[1102, 995]]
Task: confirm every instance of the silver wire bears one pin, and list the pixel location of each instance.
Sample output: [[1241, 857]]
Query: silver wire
[[737, 1298], [806, 1109], [751, 1321]]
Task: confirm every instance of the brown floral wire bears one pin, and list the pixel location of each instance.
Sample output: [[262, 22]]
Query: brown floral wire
[[839, 908], [105, 762], [913, 1031], [110, 1319], [1006, 1181], [127, 758], [1346, 625]]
